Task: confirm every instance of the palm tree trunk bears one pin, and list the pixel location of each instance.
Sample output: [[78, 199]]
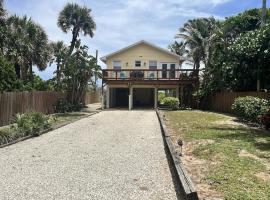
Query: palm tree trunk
[[58, 76], [75, 34], [31, 76]]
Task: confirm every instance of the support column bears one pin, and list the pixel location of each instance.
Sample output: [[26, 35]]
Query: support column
[[177, 92], [182, 95], [108, 97], [156, 97], [130, 98]]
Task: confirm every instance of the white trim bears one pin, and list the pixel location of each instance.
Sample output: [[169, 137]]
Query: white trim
[[117, 61], [104, 58]]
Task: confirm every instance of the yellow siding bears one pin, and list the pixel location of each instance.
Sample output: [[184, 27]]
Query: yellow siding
[[142, 52]]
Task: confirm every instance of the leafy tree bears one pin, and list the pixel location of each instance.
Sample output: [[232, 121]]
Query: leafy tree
[[9, 81], [78, 72], [77, 19]]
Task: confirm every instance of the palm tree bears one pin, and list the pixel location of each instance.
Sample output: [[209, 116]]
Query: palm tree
[[77, 19], [197, 36], [27, 46], [59, 52], [178, 48], [2, 10]]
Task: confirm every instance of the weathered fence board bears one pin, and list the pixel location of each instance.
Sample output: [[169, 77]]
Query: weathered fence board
[[93, 97], [41, 101], [222, 101]]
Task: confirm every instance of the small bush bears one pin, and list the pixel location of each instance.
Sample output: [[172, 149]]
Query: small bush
[[249, 108], [63, 106], [31, 123], [171, 103], [161, 96]]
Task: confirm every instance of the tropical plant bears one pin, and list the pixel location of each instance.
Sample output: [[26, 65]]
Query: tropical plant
[[59, 54], [27, 46], [178, 48], [9, 81], [78, 72], [197, 36], [250, 108], [76, 19], [31, 123]]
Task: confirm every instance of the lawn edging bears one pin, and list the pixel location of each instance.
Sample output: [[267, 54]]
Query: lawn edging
[[186, 183], [47, 130]]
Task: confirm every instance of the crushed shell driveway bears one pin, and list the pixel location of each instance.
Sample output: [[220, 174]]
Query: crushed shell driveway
[[111, 155]]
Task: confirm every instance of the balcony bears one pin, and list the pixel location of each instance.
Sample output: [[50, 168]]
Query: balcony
[[147, 75]]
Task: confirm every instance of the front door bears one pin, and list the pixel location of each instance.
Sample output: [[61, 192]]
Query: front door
[[172, 71], [164, 70]]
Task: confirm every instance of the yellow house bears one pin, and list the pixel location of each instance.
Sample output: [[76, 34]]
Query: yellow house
[[136, 73]]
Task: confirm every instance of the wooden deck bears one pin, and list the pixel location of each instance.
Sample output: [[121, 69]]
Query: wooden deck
[[150, 77]]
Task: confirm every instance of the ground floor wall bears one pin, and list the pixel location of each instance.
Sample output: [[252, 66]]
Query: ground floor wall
[[132, 96]]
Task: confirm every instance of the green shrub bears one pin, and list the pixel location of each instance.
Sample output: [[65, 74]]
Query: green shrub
[[31, 123], [161, 96], [249, 108], [171, 103], [63, 106]]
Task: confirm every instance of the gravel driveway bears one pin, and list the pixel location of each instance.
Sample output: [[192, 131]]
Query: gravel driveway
[[110, 155]]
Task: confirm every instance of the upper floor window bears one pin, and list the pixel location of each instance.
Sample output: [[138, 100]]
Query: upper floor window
[[117, 64], [138, 63], [152, 65]]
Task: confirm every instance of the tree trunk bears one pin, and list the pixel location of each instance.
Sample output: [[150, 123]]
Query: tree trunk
[[75, 34], [31, 76], [58, 76]]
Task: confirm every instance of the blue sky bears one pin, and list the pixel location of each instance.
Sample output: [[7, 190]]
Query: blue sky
[[123, 22]]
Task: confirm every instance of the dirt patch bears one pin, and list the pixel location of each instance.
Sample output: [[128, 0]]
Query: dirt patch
[[263, 176], [231, 121], [196, 168]]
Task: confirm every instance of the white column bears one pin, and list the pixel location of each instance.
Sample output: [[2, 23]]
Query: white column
[[108, 97], [102, 101], [130, 98], [156, 97]]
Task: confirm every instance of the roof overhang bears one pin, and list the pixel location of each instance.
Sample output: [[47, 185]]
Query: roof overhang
[[104, 58]]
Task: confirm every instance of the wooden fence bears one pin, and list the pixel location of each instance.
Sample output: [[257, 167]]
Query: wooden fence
[[222, 101], [93, 97], [41, 101]]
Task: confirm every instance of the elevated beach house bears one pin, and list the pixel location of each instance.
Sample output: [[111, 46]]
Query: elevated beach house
[[136, 73]]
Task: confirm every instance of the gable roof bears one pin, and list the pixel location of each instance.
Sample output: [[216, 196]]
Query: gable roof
[[104, 58]]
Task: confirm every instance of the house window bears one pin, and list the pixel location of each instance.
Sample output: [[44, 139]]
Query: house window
[[152, 65], [117, 64], [138, 63]]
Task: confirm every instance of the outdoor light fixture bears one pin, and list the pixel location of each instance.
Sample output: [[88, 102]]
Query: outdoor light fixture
[[144, 63], [180, 143], [126, 63]]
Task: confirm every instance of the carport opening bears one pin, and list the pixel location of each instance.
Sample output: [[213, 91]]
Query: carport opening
[[143, 98], [119, 97]]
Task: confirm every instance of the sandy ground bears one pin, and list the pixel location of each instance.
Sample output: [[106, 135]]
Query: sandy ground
[[110, 155]]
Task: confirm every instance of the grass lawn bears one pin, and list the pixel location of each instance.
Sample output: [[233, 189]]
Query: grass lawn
[[234, 159]]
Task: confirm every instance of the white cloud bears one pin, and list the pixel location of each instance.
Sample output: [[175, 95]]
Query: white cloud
[[121, 22]]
